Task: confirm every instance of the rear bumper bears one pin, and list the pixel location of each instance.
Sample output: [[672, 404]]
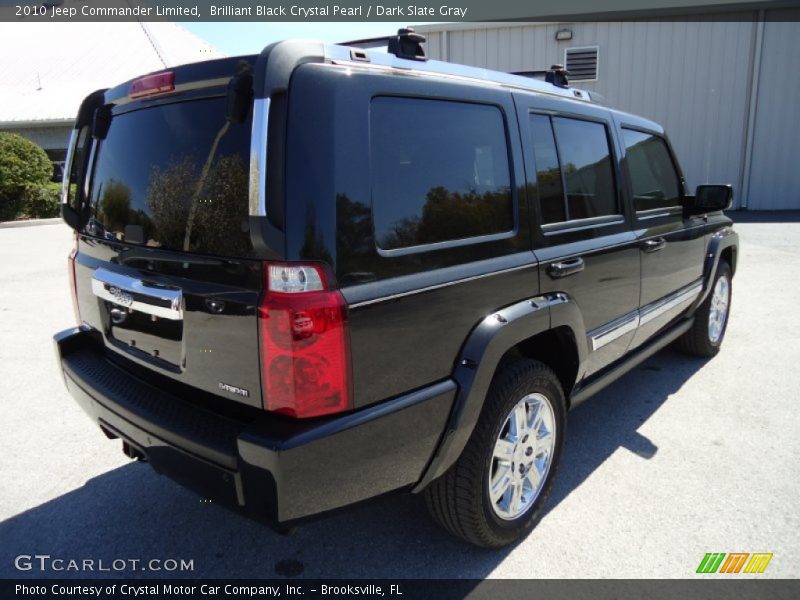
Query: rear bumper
[[271, 468]]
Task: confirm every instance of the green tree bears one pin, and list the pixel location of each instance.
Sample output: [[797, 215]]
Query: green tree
[[24, 167]]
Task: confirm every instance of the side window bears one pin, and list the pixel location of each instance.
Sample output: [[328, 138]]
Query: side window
[[548, 173], [440, 171], [588, 173], [654, 181]]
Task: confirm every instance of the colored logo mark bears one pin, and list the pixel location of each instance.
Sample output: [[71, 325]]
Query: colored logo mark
[[734, 562]]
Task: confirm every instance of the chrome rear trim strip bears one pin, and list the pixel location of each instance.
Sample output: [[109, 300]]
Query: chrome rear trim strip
[[258, 158], [119, 289]]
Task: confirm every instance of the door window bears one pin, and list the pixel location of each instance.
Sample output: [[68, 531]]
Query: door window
[[654, 180]]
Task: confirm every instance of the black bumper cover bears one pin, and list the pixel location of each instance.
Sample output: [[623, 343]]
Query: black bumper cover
[[271, 468]]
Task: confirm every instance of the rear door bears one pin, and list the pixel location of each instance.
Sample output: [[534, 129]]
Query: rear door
[[165, 269], [671, 244], [582, 232]]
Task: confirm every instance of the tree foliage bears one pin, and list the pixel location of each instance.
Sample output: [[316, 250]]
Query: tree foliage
[[24, 170]]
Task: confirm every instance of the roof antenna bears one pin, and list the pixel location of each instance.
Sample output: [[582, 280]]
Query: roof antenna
[[407, 44]]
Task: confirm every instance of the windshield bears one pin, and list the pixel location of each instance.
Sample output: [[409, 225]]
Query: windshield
[[174, 177]]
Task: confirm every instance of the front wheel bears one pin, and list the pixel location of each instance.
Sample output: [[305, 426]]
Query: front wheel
[[711, 319], [497, 489]]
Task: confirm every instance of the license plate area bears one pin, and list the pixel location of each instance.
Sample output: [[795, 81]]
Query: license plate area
[[143, 318]]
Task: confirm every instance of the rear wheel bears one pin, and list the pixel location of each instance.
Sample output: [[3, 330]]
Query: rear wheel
[[498, 487], [711, 319]]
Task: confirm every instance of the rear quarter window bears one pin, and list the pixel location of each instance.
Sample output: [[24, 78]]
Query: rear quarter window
[[440, 172]]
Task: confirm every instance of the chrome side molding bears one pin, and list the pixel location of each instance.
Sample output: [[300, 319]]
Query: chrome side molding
[[657, 309], [137, 295], [630, 323]]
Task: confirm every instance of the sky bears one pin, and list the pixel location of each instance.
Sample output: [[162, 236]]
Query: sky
[[249, 38]]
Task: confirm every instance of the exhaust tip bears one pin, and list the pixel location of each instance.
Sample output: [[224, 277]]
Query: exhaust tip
[[133, 452]]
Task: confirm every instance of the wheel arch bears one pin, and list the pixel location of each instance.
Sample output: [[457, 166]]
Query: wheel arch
[[522, 329], [557, 348]]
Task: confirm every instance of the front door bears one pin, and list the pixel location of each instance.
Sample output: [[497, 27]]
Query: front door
[[671, 245]]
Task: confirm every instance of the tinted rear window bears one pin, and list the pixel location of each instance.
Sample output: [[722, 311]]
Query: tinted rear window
[[174, 177], [588, 173], [548, 171], [440, 171]]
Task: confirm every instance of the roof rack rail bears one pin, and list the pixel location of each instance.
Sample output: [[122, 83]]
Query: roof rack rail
[[367, 43], [407, 44], [557, 75], [341, 54]]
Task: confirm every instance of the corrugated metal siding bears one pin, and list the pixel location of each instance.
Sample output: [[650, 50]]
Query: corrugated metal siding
[[774, 175], [692, 77]]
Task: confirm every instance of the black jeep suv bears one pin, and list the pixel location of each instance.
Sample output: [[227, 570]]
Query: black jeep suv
[[309, 277]]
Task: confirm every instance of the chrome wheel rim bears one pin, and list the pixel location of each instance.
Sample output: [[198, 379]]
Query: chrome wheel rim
[[718, 313], [522, 456]]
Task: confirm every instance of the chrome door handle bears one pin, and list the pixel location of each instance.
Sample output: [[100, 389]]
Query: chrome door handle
[[565, 267], [654, 245]]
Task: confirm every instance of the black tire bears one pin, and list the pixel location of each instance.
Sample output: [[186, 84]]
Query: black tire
[[697, 341], [459, 500]]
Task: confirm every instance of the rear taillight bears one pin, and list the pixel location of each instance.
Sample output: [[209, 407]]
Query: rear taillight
[[73, 282], [157, 83], [305, 363]]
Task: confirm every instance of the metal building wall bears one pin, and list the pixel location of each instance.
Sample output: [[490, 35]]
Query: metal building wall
[[692, 77], [48, 137], [774, 181]]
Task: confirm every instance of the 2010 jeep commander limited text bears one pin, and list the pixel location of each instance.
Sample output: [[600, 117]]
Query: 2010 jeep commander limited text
[[309, 277]]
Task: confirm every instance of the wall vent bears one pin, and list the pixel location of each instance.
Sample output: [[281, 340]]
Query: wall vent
[[581, 63]]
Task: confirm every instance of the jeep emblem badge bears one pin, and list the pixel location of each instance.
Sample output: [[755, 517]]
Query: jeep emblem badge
[[121, 297]]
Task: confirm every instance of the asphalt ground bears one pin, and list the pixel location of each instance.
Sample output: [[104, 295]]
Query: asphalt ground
[[679, 458]]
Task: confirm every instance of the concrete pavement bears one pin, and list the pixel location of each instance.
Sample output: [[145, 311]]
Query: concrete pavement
[[678, 458]]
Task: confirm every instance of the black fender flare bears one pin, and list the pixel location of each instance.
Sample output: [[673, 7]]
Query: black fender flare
[[480, 355], [720, 241]]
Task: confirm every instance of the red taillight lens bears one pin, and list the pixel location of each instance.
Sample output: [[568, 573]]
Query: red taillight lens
[[73, 282], [305, 361], [152, 84]]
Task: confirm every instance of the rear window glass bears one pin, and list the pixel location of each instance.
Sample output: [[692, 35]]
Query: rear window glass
[[588, 173], [174, 177], [548, 171], [440, 171]]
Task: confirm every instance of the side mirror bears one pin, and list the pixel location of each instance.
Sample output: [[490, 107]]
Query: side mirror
[[709, 198]]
